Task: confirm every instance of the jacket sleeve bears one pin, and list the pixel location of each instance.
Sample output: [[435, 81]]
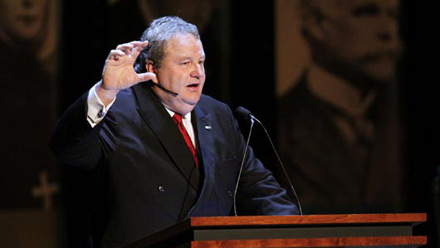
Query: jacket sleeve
[[74, 141]]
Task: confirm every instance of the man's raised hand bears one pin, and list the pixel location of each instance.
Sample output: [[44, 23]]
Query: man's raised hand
[[119, 74]]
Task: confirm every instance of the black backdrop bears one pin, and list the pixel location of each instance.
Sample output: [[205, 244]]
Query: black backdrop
[[419, 75]]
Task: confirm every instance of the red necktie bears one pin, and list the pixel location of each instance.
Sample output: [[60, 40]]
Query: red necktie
[[178, 120]]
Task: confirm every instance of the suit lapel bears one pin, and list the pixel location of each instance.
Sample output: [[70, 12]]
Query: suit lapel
[[202, 123], [157, 118]]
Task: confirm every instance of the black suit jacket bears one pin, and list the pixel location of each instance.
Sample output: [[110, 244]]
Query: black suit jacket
[[326, 173], [144, 176]]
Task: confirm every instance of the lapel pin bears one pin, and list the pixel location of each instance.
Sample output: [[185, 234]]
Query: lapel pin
[[208, 127]]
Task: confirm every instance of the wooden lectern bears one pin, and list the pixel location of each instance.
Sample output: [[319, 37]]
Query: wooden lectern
[[351, 230]]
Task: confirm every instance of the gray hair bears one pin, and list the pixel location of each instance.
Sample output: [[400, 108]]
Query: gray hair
[[158, 34]]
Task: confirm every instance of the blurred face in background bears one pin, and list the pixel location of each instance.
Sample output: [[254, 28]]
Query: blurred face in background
[[355, 38], [22, 20]]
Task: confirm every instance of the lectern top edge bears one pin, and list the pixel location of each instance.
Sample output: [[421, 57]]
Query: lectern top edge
[[306, 219], [391, 226]]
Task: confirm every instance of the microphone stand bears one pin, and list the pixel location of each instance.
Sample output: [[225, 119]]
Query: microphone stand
[[247, 114], [242, 165], [281, 164]]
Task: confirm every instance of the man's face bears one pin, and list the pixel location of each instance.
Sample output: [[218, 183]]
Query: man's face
[[182, 71], [23, 20], [362, 36]]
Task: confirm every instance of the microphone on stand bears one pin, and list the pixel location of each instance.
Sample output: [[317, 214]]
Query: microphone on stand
[[247, 116]]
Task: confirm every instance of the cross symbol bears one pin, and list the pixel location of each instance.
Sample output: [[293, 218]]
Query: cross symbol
[[45, 190]]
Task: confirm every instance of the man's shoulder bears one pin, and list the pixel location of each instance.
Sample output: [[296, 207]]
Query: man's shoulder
[[298, 99], [218, 110], [302, 107], [210, 102]]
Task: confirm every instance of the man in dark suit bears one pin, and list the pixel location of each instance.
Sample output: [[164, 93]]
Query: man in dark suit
[[339, 131], [147, 172]]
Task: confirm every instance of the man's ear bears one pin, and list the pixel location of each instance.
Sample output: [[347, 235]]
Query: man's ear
[[314, 23], [150, 66]]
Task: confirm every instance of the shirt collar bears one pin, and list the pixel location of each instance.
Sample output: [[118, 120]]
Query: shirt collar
[[186, 117], [339, 92]]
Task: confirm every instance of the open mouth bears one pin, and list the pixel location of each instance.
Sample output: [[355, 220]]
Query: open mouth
[[192, 86]]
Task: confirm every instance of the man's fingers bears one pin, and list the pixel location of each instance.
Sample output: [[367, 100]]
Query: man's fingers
[[136, 51], [126, 48], [132, 48], [115, 54], [138, 47], [147, 76], [141, 44]]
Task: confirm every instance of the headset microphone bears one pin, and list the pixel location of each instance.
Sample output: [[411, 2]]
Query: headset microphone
[[166, 90]]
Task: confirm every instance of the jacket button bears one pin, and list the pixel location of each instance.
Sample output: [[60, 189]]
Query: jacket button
[[161, 188], [229, 193]]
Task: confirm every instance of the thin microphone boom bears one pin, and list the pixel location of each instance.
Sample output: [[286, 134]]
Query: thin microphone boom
[[166, 90], [241, 167], [247, 115]]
